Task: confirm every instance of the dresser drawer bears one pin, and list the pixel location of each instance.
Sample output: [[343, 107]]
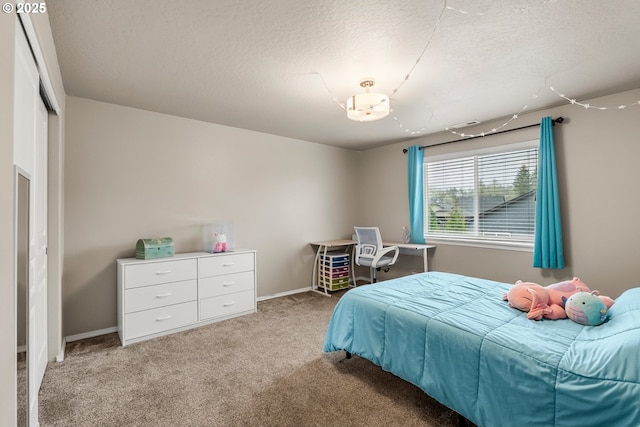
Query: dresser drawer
[[155, 296], [226, 284], [225, 305], [225, 264], [154, 273], [160, 319]]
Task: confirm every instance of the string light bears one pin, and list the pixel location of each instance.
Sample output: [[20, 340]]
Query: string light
[[433, 31], [341, 104], [589, 106], [467, 135], [446, 128], [406, 77], [493, 130]]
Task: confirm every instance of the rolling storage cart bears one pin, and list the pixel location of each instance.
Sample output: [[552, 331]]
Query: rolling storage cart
[[333, 273]]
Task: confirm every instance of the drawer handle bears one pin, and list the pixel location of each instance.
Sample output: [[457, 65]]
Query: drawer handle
[[163, 272], [228, 264], [229, 284], [160, 319], [228, 304], [168, 294]]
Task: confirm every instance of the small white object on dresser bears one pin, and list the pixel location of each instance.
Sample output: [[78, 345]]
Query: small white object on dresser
[[161, 296]]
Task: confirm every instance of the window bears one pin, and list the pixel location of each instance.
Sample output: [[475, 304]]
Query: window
[[484, 197]]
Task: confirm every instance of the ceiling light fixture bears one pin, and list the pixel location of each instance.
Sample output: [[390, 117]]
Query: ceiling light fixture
[[367, 106]]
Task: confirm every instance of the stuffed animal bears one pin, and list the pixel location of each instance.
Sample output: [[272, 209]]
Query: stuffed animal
[[543, 301], [588, 308], [221, 242]]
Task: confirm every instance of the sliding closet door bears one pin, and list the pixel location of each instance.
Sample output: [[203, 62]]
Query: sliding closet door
[[40, 224], [30, 155]]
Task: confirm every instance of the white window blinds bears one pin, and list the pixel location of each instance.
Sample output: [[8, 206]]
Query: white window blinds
[[483, 196]]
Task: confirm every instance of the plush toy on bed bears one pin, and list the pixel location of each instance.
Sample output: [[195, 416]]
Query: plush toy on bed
[[588, 308], [543, 302]]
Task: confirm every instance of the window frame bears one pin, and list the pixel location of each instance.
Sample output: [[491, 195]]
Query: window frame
[[492, 242]]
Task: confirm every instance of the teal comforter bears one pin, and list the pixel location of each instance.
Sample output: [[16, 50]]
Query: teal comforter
[[454, 337]]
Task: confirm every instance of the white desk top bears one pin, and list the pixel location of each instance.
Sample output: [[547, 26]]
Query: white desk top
[[347, 242], [331, 243], [409, 245]]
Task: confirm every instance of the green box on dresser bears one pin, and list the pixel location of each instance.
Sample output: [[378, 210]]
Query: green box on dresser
[[155, 248]]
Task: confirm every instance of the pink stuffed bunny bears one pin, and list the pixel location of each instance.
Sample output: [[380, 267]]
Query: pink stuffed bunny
[[543, 301]]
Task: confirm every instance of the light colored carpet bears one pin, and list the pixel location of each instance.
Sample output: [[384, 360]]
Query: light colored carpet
[[264, 369]]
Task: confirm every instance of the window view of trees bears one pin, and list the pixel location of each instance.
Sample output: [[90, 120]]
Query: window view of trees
[[525, 181], [505, 200]]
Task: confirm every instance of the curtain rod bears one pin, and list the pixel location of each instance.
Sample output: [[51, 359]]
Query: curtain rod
[[554, 121]]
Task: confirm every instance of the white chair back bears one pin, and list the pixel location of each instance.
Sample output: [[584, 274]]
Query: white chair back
[[369, 250]]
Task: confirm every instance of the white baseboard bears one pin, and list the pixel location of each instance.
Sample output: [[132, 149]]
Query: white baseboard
[[105, 331], [21, 349], [91, 334], [284, 294]]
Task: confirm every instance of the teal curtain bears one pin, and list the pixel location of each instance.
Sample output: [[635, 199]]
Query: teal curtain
[[547, 249], [416, 190]]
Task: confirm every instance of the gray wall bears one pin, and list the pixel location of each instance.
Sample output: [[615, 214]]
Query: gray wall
[[597, 159], [134, 174]]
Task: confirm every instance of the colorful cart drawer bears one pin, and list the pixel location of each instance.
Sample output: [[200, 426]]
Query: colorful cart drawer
[[333, 273]]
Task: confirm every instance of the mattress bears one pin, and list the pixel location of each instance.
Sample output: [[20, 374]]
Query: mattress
[[456, 339]]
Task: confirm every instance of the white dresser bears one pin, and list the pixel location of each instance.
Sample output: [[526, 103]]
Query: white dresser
[[166, 295]]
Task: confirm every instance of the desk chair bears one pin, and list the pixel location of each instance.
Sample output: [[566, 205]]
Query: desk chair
[[369, 251]]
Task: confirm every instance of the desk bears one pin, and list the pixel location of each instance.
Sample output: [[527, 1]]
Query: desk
[[348, 244], [415, 247]]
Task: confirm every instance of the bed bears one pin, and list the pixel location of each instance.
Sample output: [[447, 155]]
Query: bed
[[456, 339]]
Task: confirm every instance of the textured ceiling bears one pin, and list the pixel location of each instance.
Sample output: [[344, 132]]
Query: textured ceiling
[[286, 67]]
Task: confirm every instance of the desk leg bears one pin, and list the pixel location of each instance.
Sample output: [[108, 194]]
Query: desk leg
[[316, 272], [426, 263], [351, 266]]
